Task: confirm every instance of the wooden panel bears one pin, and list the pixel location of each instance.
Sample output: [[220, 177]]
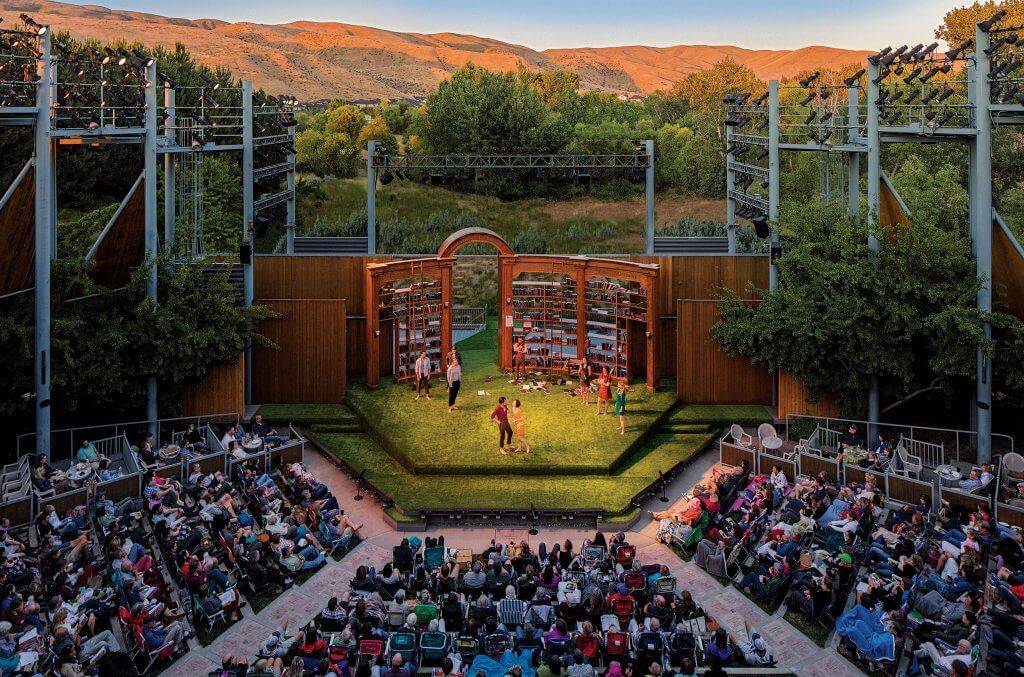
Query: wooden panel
[[310, 365], [890, 213], [120, 488], [971, 502], [1007, 273], [705, 374], [667, 346], [859, 475], [788, 468], [19, 511], [811, 465], [733, 454], [65, 501], [1010, 514], [355, 345], [702, 277], [222, 391], [314, 277], [122, 247], [17, 232], [291, 453], [907, 490], [793, 399]]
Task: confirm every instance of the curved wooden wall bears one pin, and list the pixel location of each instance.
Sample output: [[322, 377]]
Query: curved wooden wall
[[18, 235]]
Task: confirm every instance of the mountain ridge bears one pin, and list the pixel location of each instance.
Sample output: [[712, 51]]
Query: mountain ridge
[[318, 60]]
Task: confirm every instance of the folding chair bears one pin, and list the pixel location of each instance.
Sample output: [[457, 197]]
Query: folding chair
[[589, 646], [467, 647], [624, 555], [463, 559], [371, 650], [434, 647], [211, 620], [496, 644], [333, 543], [593, 555], [666, 585], [404, 643], [433, 558], [426, 613], [616, 646]]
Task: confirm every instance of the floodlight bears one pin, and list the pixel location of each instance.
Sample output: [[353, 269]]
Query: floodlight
[[955, 53], [913, 74], [806, 82], [852, 80], [983, 25]]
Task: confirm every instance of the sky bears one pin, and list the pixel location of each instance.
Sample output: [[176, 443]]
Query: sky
[[758, 24]]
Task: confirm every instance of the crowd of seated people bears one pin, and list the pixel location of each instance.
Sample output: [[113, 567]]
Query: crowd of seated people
[[777, 541], [63, 597], [923, 592], [511, 608], [259, 529]]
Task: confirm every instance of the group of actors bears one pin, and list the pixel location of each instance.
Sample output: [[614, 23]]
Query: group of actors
[[511, 421]]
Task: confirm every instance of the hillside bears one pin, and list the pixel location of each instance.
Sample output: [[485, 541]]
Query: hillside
[[317, 60]]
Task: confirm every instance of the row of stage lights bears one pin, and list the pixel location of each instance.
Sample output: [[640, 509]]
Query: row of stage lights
[[906, 94], [1007, 72], [273, 118], [748, 117], [19, 53]]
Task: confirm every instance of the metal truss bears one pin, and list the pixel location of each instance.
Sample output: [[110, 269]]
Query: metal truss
[[490, 161]]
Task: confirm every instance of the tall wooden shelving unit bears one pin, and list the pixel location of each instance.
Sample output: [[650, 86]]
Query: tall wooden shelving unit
[[567, 307]]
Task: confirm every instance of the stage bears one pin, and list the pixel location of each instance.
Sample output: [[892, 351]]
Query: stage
[[422, 457]]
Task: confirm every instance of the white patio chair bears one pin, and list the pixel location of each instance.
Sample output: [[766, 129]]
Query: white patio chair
[[909, 464], [769, 438], [739, 436]]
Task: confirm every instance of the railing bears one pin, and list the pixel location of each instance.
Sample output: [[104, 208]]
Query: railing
[[959, 445], [129, 483], [931, 454], [469, 318], [64, 441]]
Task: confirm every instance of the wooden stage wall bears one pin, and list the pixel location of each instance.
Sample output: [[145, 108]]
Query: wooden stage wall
[[705, 373], [222, 391], [1007, 273], [794, 399], [18, 234], [322, 277], [309, 366]]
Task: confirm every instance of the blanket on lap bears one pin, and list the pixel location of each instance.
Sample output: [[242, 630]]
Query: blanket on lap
[[864, 628], [493, 668]]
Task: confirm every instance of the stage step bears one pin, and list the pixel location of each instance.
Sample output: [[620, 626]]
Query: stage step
[[687, 428], [354, 427]]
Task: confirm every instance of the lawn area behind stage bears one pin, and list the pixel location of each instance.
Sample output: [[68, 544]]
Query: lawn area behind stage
[[566, 437]]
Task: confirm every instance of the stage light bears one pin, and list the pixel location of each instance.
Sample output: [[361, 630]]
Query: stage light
[[882, 74], [955, 53], [983, 25], [386, 177], [807, 100], [913, 74], [759, 101], [852, 80], [911, 54], [38, 28], [806, 82]]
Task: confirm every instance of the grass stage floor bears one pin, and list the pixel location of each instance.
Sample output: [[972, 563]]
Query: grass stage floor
[[565, 436], [422, 457]]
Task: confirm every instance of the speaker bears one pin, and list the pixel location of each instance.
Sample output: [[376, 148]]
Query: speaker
[[761, 227], [245, 253]]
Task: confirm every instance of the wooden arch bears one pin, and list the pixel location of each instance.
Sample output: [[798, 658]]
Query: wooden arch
[[459, 239]]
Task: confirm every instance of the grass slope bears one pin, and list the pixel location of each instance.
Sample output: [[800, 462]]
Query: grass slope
[[412, 492], [720, 414], [565, 436]]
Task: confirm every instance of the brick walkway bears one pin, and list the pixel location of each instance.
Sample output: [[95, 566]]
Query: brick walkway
[[793, 650]]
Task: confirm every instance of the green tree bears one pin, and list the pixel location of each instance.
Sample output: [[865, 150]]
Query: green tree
[[377, 130], [958, 24], [705, 89]]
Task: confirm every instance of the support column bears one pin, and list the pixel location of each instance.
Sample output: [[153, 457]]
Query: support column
[[981, 211], [874, 206], [289, 233], [649, 196], [371, 198], [730, 204], [774, 170], [151, 227], [170, 213], [506, 273], [371, 298], [248, 214], [852, 158], [45, 209]]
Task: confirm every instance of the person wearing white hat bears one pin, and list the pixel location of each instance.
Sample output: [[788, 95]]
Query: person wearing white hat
[[755, 650]]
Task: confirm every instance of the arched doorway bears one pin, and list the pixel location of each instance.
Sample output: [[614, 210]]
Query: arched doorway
[[611, 308]]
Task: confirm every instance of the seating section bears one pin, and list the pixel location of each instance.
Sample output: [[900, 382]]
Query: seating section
[[566, 608]]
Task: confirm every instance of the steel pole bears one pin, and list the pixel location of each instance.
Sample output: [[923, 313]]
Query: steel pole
[[45, 209], [730, 203], [853, 158], [289, 235], [371, 198], [245, 252], [151, 228], [649, 196], [982, 217], [170, 209], [774, 170], [874, 207]]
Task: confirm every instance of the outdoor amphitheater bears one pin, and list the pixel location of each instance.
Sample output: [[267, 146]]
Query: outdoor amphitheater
[[587, 475]]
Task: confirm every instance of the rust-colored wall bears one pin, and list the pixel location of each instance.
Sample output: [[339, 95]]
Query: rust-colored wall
[[793, 399], [700, 277], [18, 235], [309, 367], [1007, 273], [123, 247], [222, 391], [705, 373]]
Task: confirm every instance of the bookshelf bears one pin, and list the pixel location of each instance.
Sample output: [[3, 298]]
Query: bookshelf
[[611, 306], [544, 314], [412, 308]]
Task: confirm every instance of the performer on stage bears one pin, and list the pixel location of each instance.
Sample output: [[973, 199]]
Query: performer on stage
[[620, 405], [519, 358], [519, 428], [422, 374], [500, 416], [604, 391], [585, 375], [454, 382], [453, 356]]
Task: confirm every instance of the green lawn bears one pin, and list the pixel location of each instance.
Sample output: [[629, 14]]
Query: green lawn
[[566, 437]]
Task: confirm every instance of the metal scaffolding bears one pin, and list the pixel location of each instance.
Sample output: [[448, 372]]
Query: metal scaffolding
[[380, 164], [91, 96], [906, 94]]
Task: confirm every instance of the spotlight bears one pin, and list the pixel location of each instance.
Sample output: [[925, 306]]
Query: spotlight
[[759, 101], [955, 53], [38, 28], [983, 25], [807, 100], [852, 80], [913, 74], [911, 54], [806, 82], [386, 177], [761, 228]]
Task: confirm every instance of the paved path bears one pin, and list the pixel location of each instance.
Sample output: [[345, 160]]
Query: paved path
[[792, 649]]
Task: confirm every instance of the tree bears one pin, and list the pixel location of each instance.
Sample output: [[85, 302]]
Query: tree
[[705, 89], [377, 130], [344, 119], [325, 154], [934, 196], [958, 24], [836, 319]]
